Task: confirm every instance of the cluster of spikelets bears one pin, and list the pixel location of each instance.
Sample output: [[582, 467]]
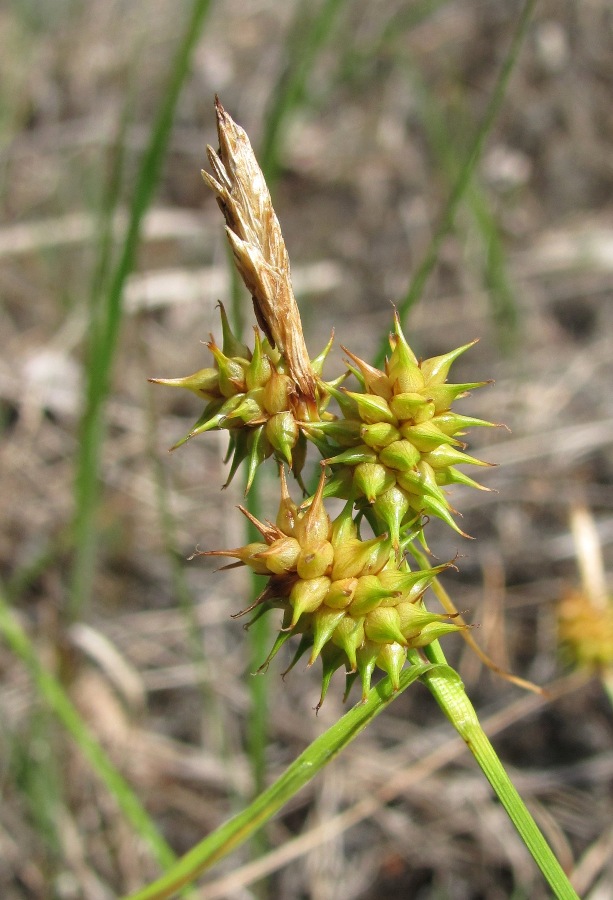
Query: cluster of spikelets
[[585, 630], [397, 444], [585, 613], [394, 447], [350, 600], [390, 451], [250, 394]]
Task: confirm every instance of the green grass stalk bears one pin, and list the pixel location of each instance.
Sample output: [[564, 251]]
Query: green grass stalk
[[288, 95], [62, 707], [231, 835], [446, 687], [467, 169], [106, 332]]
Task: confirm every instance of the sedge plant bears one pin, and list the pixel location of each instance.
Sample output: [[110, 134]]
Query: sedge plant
[[347, 592]]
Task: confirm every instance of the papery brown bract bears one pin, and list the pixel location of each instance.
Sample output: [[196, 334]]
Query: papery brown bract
[[258, 247]]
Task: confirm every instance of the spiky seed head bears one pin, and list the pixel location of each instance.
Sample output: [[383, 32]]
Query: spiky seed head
[[337, 590], [252, 392], [353, 602], [405, 420], [585, 631]]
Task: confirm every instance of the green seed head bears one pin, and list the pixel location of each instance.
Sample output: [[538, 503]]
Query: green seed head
[[353, 602], [405, 420], [338, 591], [261, 395]]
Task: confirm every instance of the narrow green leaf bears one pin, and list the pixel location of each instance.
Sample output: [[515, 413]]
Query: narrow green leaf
[[315, 757], [108, 320], [446, 686], [60, 704], [465, 175]]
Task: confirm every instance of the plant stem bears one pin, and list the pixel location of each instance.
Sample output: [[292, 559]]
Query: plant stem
[[447, 689], [60, 704], [241, 827]]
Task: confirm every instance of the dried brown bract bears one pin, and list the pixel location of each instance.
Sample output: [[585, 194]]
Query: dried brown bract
[[257, 244]]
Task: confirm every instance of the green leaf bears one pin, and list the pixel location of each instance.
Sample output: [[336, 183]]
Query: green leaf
[[315, 757]]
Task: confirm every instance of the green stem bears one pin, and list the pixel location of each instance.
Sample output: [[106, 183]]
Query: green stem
[[308, 38], [60, 704], [315, 757], [446, 686]]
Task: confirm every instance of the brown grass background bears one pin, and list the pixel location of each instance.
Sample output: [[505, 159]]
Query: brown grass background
[[363, 180]]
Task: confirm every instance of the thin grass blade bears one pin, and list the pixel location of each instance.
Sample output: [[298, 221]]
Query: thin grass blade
[[106, 332], [464, 178], [62, 707], [306, 766]]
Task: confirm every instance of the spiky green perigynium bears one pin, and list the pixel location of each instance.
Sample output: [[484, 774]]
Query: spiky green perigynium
[[390, 453], [399, 437], [394, 447], [250, 394], [355, 603]]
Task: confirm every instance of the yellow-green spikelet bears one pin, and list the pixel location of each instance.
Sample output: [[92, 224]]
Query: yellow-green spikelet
[[399, 436], [350, 600], [585, 631], [250, 394]]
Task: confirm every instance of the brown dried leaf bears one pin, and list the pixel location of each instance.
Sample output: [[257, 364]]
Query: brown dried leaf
[[259, 250]]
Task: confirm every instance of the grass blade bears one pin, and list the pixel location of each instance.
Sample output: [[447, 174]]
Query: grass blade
[[302, 770], [305, 44], [105, 335], [62, 707], [464, 177], [446, 687]]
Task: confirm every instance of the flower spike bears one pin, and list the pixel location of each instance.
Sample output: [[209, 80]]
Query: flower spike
[[253, 397], [408, 445], [390, 451], [353, 602]]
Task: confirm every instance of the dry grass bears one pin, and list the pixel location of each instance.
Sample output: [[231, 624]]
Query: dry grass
[[403, 813]]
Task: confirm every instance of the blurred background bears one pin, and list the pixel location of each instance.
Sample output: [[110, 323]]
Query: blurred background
[[112, 260]]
